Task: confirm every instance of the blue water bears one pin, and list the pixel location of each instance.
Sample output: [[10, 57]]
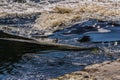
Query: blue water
[[43, 65]]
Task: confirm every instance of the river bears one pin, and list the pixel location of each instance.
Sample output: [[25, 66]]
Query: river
[[31, 63]]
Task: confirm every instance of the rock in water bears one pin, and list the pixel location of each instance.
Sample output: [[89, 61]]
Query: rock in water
[[100, 37], [107, 34], [22, 42]]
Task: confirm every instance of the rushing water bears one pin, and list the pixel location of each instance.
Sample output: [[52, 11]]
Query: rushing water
[[21, 63]]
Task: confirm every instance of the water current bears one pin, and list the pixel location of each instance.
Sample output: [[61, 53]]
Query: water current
[[21, 63]]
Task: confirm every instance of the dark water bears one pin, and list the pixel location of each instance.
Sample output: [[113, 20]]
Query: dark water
[[30, 63], [35, 1]]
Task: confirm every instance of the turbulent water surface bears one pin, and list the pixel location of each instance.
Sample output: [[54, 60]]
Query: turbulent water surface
[[20, 63]]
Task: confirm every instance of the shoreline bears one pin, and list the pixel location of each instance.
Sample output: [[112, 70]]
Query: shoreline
[[71, 12], [63, 14], [108, 70]]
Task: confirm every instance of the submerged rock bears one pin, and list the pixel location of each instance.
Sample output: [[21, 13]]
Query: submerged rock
[[100, 37], [108, 33]]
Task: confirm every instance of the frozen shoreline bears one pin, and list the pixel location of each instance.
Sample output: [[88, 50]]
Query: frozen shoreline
[[75, 11], [108, 70], [60, 15]]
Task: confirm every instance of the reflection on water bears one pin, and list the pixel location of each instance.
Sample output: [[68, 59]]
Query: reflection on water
[[49, 64], [28, 62], [19, 63], [11, 53]]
